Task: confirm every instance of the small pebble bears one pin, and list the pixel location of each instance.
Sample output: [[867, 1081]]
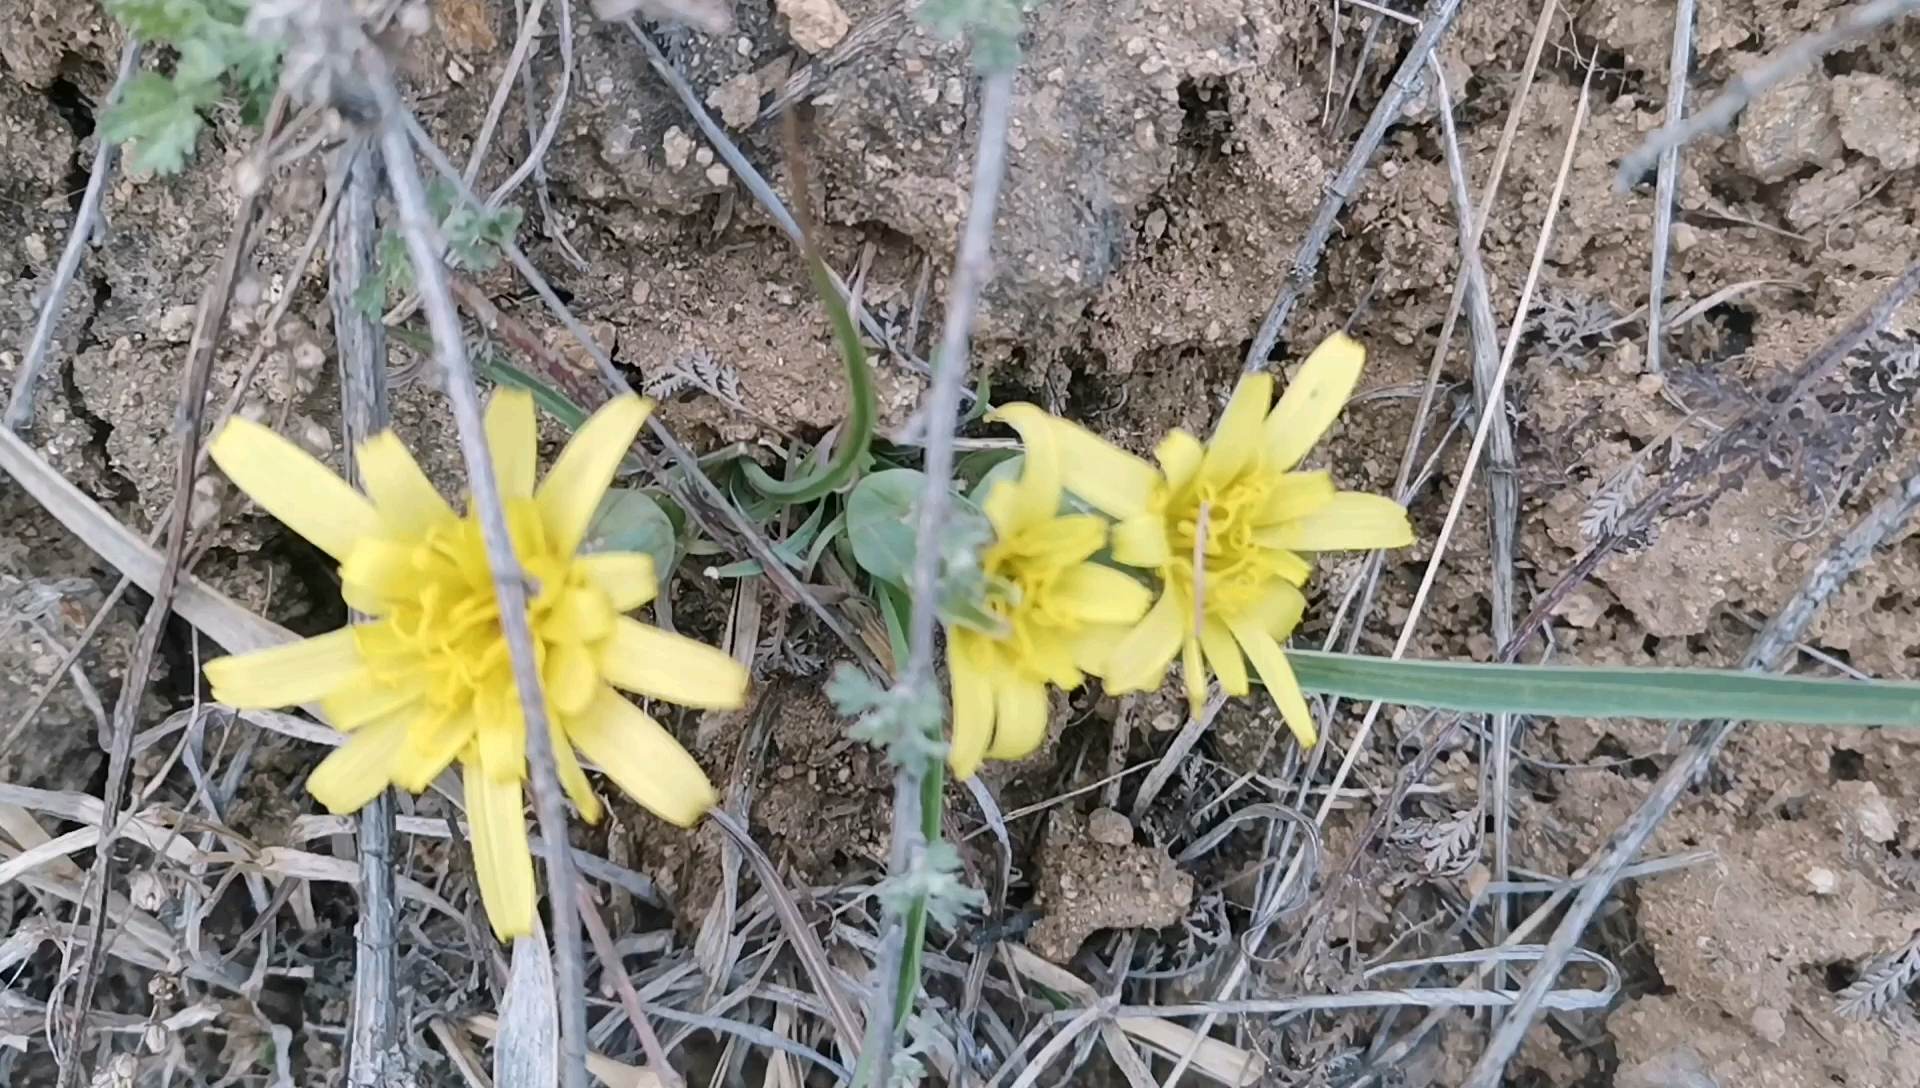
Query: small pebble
[[1109, 827], [1770, 1024], [1824, 882]]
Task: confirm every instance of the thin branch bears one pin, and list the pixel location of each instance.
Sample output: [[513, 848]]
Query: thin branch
[[523, 45], [1306, 261], [372, 1054], [537, 152], [973, 268], [1773, 642], [1677, 64], [20, 405], [509, 581], [1743, 88]]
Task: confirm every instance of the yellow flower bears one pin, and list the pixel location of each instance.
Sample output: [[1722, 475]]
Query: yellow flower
[[1237, 505], [1062, 614], [427, 680]]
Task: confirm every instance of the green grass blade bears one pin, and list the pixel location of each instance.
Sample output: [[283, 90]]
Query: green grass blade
[[1572, 691]]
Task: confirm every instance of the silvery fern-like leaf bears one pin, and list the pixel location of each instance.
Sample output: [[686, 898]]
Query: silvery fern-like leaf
[[1884, 982]]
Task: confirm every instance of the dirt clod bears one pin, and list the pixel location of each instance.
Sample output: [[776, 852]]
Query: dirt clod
[[1087, 884], [1789, 127]]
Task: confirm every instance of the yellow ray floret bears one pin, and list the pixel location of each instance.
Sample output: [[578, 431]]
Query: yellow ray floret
[[426, 680], [1231, 522], [1061, 614]]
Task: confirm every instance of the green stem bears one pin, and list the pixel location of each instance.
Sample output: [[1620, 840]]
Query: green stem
[[932, 796]]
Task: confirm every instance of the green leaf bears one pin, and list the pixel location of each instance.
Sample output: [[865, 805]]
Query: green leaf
[[159, 20], [1007, 468], [1573, 691], [158, 119], [880, 522], [629, 520]]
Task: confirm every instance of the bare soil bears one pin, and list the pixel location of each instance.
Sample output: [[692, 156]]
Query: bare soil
[[1165, 162]]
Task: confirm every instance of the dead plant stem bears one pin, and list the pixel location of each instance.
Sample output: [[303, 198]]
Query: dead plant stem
[[372, 1054], [973, 268], [1718, 114], [1668, 181], [510, 587], [704, 499]]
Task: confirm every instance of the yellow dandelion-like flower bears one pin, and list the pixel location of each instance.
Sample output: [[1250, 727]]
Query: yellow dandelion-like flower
[[1063, 615], [1228, 521], [427, 680]]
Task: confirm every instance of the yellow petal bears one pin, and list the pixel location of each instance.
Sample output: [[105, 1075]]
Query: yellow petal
[[642, 758], [1039, 485], [972, 701], [433, 741], [1112, 480], [572, 678], [572, 778], [1020, 717], [1097, 594], [358, 770], [1278, 610], [628, 578], [1179, 455], [1313, 399], [500, 730], [1350, 519], [1141, 542], [380, 569], [360, 699], [1223, 656], [1292, 495], [1270, 661], [574, 486], [501, 861], [1289, 566], [289, 484], [299, 672], [651, 662], [1139, 662], [1093, 647], [1193, 673], [581, 615], [1236, 439], [513, 441], [407, 501], [1062, 540]]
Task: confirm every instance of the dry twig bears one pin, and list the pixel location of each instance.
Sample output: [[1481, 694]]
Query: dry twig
[[510, 587]]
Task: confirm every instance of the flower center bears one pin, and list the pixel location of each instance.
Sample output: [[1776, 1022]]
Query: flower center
[[1217, 523], [1020, 590], [440, 625]]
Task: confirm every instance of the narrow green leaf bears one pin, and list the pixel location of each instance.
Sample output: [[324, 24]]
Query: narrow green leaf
[[1573, 691]]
